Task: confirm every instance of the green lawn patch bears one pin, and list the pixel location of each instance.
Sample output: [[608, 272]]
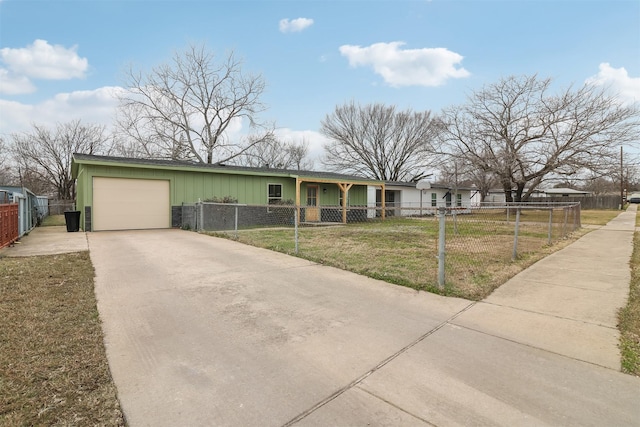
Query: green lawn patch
[[53, 366]]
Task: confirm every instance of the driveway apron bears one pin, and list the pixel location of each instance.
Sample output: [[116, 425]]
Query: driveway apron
[[206, 331]]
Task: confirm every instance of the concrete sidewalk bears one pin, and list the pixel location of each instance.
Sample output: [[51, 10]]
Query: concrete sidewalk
[[566, 303], [47, 241]]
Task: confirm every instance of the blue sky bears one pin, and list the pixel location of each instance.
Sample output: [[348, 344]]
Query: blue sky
[[62, 60]]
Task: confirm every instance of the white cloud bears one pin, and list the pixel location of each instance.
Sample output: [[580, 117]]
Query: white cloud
[[619, 80], [96, 107], [39, 60], [44, 61], [294, 25], [11, 84], [408, 67]]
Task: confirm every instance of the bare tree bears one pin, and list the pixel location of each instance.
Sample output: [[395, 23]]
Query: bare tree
[[275, 153], [6, 177], [379, 142], [520, 132], [601, 185], [457, 171], [44, 155], [186, 109], [299, 155]]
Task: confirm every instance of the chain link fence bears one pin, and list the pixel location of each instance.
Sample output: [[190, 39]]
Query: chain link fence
[[482, 249], [463, 251], [58, 207]]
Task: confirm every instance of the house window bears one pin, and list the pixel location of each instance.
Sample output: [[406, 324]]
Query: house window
[[459, 200], [434, 200], [312, 195], [275, 194]]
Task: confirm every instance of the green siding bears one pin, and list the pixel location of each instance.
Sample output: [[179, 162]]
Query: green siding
[[357, 194], [191, 186]]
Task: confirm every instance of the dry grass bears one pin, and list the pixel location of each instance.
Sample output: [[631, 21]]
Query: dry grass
[[404, 250], [53, 367], [598, 217], [629, 316]]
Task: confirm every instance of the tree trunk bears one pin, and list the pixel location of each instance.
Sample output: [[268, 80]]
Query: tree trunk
[[508, 196], [519, 191]]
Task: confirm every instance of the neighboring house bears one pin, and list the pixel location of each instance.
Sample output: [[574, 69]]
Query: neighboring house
[[27, 206], [564, 192], [496, 196], [444, 195], [422, 198], [115, 193]]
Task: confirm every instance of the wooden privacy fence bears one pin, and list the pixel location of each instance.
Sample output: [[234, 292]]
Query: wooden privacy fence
[[8, 224], [587, 202]]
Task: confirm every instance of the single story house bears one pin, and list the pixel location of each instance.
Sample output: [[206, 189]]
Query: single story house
[[116, 193], [564, 192], [421, 198], [496, 196]]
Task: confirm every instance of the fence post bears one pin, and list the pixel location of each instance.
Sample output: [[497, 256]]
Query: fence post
[[199, 216], [235, 226], [441, 246], [514, 256], [295, 228], [550, 224], [566, 218]]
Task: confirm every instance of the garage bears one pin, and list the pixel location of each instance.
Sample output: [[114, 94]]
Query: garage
[[130, 204]]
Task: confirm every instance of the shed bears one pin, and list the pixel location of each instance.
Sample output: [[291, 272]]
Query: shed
[[118, 193], [27, 207]]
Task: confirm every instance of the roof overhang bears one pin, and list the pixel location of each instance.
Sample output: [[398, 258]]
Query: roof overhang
[[307, 176]]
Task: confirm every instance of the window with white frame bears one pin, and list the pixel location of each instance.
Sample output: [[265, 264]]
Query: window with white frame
[[434, 200], [459, 200]]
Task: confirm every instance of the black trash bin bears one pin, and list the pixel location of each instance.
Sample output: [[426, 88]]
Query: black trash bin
[[72, 219]]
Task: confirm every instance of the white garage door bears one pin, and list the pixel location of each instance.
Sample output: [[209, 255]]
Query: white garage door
[[130, 204]]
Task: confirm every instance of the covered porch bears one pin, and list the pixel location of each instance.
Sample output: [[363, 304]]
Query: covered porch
[[314, 192]]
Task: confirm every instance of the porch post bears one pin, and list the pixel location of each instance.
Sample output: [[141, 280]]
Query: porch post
[[384, 196], [345, 190], [298, 198]]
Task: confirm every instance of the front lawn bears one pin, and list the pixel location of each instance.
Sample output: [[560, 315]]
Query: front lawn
[[53, 366], [404, 251]]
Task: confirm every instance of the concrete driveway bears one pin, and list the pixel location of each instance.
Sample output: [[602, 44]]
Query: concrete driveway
[[206, 331]]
